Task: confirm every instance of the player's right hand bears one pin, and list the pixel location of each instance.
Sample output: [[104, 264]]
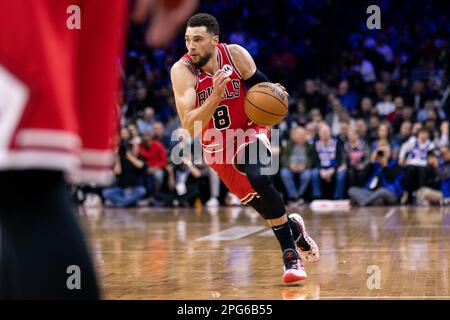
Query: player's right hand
[[220, 80]]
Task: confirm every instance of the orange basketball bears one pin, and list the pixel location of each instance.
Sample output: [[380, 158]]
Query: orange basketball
[[266, 104]]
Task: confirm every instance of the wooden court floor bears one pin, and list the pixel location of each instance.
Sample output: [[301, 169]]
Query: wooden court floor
[[229, 253]]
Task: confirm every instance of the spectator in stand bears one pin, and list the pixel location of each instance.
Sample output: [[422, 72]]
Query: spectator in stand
[[366, 106], [406, 114], [385, 107], [135, 138], [312, 98], [129, 169], [296, 162], [430, 111], [357, 153], [365, 68], [337, 114], [443, 139], [155, 156], [372, 132], [311, 132], [159, 134], [383, 184], [384, 136], [345, 126], [185, 183], [124, 135], [404, 134], [146, 122], [384, 49], [441, 166], [417, 96], [142, 100], [299, 117], [380, 90], [329, 167], [413, 158], [348, 97], [316, 116], [361, 129], [417, 126]]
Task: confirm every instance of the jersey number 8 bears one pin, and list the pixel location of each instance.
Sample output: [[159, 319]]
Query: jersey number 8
[[221, 118]]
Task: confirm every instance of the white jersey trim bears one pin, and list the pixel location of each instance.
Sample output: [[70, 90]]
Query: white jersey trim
[[14, 96], [67, 162], [230, 57], [46, 138]]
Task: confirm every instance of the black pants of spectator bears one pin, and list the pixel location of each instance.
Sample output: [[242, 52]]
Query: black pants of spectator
[[185, 200], [82, 191], [415, 178], [355, 177], [364, 197], [43, 254]]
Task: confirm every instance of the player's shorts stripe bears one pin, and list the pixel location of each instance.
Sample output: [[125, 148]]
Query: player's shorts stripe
[[56, 159], [48, 138], [249, 197], [230, 57], [41, 159]]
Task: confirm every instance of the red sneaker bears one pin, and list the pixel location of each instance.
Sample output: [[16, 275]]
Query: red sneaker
[[293, 267], [306, 246]]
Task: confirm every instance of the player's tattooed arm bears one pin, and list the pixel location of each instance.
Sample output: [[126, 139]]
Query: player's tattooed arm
[[183, 83]]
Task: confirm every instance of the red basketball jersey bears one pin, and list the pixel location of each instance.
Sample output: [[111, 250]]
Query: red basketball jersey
[[230, 114], [58, 85]]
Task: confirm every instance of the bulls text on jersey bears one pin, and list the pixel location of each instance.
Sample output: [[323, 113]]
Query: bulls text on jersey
[[204, 94]]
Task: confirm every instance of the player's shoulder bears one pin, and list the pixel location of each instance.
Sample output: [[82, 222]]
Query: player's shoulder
[[182, 67], [237, 50]]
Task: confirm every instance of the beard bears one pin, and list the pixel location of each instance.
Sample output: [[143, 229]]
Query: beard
[[202, 60]]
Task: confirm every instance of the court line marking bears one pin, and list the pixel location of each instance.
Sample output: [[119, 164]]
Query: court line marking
[[390, 213], [259, 250], [267, 233], [233, 233], [384, 297]]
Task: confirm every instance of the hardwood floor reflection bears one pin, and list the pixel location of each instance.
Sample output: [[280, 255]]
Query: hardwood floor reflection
[[230, 253]]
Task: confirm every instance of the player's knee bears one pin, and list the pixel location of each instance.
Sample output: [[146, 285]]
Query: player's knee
[[258, 181]]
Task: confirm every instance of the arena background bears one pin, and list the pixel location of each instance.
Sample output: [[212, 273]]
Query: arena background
[[164, 246]]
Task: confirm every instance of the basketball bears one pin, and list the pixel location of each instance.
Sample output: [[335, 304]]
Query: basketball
[[266, 104]]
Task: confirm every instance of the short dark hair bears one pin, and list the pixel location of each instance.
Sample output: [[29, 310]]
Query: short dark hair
[[424, 129], [204, 20]]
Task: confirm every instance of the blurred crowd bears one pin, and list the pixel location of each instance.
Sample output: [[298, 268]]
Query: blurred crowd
[[369, 109]]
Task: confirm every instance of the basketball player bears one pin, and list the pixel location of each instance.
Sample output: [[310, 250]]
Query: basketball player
[[209, 86], [57, 119]]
